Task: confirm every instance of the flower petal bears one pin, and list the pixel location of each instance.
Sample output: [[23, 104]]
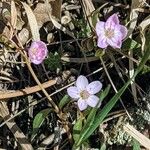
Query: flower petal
[[37, 52], [100, 28], [73, 92], [82, 104], [116, 40], [111, 22], [102, 42], [114, 43], [92, 100], [124, 31], [81, 82], [94, 87], [35, 61]]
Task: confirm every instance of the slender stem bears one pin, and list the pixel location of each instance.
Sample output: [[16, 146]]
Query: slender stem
[[56, 108], [40, 85], [114, 87]]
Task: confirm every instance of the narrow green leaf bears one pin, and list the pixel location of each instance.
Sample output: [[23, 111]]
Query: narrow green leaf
[[63, 101], [38, 121], [136, 145], [104, 93], [103, 113], [92, 113], [77, 129], [91, 116]]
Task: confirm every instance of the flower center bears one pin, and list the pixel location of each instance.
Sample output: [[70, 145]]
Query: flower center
[[109, 33], [34, 51], [84, 94]]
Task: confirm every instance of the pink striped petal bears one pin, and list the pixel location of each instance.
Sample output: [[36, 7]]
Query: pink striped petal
[[82, 104], [73, 92], [92, 100], [102, 42], [37, 52], [124, 31], [81, 82], [116, 40], [100, 28], [114, 43], [111, 22], [94, 87]]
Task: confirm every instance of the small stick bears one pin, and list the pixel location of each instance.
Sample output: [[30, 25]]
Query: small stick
[[22, 92]]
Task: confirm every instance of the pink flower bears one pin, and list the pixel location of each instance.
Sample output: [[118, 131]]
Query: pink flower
[[37, 52], [85, 92], [110, 32]]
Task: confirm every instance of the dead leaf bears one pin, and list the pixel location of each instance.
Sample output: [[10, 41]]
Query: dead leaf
[[32, 22], [143, 140], [89, 9], [13, 18], [24, 36], [56, 8], [143, 26], [41, 14]]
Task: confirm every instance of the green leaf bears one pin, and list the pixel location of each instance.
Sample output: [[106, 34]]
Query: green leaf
[[95, 15], [63, 101], [136, 145], [77, 129], [106, 109], [53, 61], [104, 93], [146, 69], [91, 116], [130, 44], [38, 121], [93, 111]]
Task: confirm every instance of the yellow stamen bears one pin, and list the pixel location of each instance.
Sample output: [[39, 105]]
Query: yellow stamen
[[109, 33], [84, 94], [33, 50]]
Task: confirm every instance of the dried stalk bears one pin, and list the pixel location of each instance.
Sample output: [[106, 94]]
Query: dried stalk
[[10, 94]]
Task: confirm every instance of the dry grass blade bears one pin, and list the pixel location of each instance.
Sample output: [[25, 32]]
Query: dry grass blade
[[32, 22], [89, 8], [47, 141], [143, 25], [13, 17], [56, 8], [143, 140], [114, 87], [133, 19], [5, 79], [79, 60], [18, 134]]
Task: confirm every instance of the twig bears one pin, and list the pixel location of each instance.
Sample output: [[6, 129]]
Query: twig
[[114, 87], [10, 94]]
